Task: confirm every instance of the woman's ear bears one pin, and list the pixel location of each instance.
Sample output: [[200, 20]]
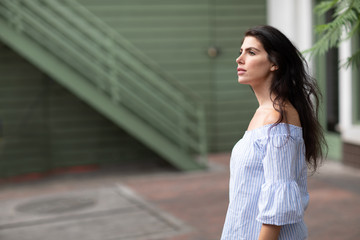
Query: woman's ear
[[274, 67]]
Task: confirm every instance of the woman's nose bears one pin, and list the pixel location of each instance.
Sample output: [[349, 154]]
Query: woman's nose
[[239, 60]]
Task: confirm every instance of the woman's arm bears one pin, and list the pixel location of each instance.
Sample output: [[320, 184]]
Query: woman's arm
[[269, 232]]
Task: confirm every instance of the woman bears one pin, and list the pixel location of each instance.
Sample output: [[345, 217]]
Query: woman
[[268, 168]]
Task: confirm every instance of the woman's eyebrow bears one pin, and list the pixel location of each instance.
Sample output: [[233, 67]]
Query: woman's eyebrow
[[252, 48]]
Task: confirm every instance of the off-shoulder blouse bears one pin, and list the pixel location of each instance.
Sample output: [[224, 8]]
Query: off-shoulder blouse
[[268, 184]]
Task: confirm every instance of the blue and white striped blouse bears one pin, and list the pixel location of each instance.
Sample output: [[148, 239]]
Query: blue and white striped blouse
[[268, 184]]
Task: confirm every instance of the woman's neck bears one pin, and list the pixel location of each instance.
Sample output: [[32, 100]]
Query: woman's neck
[[263, 96]]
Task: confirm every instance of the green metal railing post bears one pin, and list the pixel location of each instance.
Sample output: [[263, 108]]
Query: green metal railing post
[[202, 135], [114, 90], [182, 127]]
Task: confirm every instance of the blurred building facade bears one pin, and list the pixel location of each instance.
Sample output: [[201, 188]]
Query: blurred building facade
[[98, 82]]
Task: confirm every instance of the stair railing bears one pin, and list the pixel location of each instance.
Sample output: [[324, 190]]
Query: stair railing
[[115, 66]]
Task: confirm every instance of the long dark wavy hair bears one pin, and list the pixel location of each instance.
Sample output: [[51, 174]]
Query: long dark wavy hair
[[292, 83]]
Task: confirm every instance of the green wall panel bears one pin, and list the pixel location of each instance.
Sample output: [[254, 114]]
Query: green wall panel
[[176, 34], [234, 104]]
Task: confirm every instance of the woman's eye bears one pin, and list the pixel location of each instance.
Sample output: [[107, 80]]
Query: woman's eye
[[240, 53], [251, 53]]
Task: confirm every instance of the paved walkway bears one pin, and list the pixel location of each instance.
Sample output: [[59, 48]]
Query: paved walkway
[[157, 202]]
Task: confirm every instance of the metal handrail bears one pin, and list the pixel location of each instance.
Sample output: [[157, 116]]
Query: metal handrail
[[111, 63]]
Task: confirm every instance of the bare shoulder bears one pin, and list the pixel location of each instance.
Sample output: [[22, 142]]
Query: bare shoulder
[[267, 116], [292, 116], [262, 117], [271, 116]]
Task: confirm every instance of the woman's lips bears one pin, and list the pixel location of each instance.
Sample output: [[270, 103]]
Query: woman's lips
[[240, 71]]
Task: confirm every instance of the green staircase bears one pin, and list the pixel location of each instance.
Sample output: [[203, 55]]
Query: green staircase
[[66, 41]]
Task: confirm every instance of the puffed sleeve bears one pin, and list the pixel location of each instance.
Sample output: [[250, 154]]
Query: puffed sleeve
[[280, 197]]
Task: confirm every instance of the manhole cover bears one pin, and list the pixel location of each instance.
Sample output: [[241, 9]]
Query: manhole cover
[[56, 205]]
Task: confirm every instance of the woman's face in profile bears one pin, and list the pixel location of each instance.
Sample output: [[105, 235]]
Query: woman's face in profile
[[253, 65]]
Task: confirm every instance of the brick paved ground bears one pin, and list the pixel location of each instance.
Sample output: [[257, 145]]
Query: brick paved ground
[[199, 199]]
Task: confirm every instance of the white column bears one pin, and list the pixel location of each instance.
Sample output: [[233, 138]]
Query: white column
[[294, 18], [280, 14], [345, 90], [304, 24]]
